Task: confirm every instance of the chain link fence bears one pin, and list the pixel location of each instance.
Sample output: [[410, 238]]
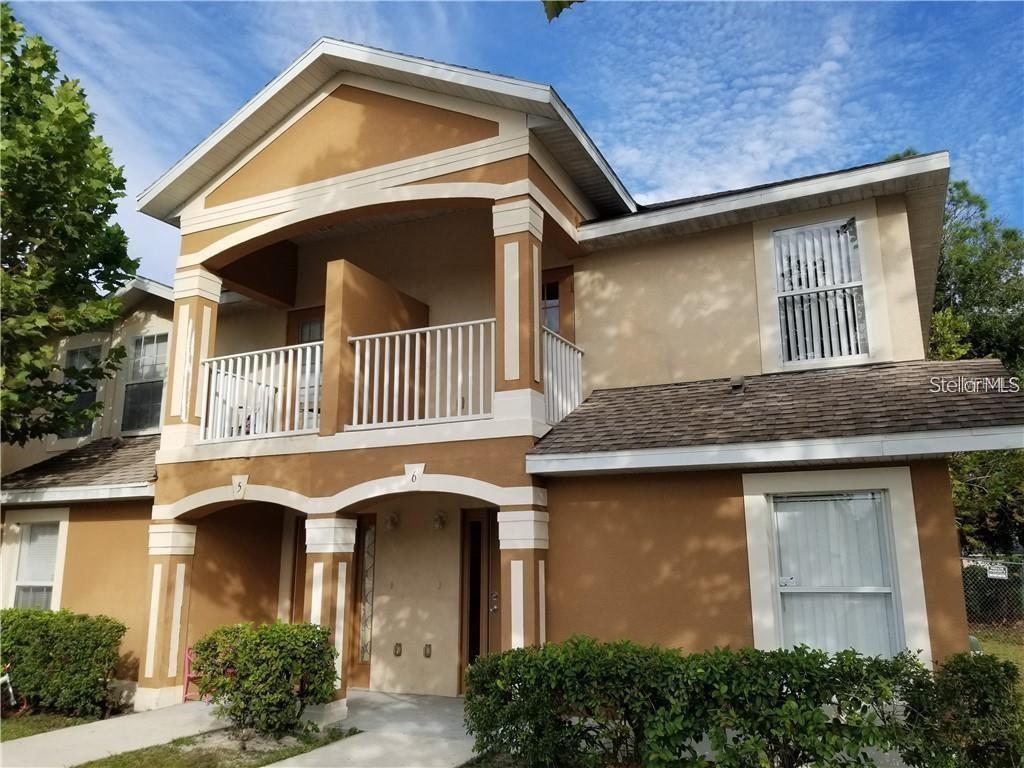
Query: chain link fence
[[994, 593]]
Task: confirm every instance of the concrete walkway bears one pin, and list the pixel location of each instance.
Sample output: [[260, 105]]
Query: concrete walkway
[[82, 743], [398, 732]]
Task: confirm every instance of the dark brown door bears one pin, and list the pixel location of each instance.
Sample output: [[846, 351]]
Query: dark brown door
[[481, 601]]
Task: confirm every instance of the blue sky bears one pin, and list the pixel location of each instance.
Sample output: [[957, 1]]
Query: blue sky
[[683, 99]]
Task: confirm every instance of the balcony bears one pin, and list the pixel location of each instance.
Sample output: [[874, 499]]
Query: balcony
[[431, 375]]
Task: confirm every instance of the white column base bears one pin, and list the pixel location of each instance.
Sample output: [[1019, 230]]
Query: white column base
[[524, 406], [326, 714], [156, 698], [176, 436]]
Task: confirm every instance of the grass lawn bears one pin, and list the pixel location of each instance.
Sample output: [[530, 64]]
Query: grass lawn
[[1000, 643], [218, 750], [30, 725]]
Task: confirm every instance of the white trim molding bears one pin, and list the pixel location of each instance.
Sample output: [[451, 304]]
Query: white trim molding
[[896, 482], [57, 494], [197, 281], [523, 529], [518, 216], [157, 698], [517, 601], [895, 446], [526, 495], [12, 529], [172, 539], [330, 535]]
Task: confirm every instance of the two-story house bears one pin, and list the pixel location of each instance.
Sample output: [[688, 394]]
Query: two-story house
[[479, 398]]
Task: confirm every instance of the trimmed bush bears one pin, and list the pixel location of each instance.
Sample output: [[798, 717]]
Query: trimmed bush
[[262, 678], [61, 661], [584, 703]]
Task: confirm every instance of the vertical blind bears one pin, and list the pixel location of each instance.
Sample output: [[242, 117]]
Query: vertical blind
[[835, 575], [37, 559], [820, 292]]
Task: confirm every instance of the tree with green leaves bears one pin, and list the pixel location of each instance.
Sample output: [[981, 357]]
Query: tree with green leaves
[[979, 312], [62, 257]]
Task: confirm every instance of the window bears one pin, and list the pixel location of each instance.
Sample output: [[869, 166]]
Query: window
[[311, 329], [144, 391], [83, 357], [549, 305], [834, 571], [820, 292], [366, 594], [37, 562]]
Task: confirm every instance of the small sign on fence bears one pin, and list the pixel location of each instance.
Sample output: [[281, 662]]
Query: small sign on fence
[[997, 571]]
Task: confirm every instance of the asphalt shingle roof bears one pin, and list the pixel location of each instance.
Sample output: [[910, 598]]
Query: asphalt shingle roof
[[108, 461], [888, 398]]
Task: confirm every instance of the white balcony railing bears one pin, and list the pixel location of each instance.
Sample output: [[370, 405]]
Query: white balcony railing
[[563, 376], [265, 393], [424, 375]]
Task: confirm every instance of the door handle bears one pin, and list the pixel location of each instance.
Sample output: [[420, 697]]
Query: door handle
[[495, 605]]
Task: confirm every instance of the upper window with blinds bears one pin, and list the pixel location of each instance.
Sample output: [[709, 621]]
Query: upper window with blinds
[[820, 292]]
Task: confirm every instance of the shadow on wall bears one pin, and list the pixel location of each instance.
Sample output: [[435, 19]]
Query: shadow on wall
[[236, 568]]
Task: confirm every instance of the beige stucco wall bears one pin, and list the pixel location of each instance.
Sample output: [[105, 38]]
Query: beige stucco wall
[[416, 597], [680, 309], [249, 325], [446, 261]]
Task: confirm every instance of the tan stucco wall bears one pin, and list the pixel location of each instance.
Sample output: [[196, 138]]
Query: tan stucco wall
[[445, 261], [250, 325], [940, 557], [351, 130], [656, 558], [106, 570], [682, 309], [900, 284], [236, 568], [416, 597]]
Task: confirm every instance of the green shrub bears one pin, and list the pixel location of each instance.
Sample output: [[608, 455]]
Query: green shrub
[[584, 703], [966, 715], [262, 678], [61, 661]]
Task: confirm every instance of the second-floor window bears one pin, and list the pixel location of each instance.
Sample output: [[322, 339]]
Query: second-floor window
[[144, 389], [820, 292], [83, 357]]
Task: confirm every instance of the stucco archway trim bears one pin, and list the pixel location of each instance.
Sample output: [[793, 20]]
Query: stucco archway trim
[[414, 480]]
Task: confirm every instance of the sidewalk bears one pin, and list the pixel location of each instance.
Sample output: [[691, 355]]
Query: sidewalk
[[82, 743]]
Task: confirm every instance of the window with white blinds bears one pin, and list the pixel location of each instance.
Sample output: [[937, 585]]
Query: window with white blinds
[[835, 572], [820, 292], [144, 391], [37, 562]]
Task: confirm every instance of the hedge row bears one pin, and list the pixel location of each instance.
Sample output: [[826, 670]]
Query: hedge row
[[61, 661], [262, 678], [584, 703]]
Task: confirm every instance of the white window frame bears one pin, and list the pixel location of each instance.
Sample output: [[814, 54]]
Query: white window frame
[[14, 527], [126, 375], [909, 607], [876, 306], [86, 340]]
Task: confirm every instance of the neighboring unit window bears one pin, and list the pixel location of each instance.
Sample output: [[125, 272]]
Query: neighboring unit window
[[549, 305], [366, 593], [37, 561], [835, 574], [311, 329], [820, 292], [83, 357], [144, 391]]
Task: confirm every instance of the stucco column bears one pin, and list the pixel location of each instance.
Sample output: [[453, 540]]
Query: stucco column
[[523, 539], [196, 298], [329, 589], [518, 232], [161, 674]]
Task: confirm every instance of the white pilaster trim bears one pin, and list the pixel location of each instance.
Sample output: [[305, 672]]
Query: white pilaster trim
[[516, 216], [182, 325], [172, 539], [156, 698], [316, 593], [339, 623], [330, 535], [535, 311], [542, 603], [912, 613], [176, 610], [196, 280], [155, 591], [523, 529], [518, 623], [510, 334]]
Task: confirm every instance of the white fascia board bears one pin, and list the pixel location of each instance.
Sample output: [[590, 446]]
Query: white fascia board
[[78, 493], [930, 443], [777, 193], [144, 284]]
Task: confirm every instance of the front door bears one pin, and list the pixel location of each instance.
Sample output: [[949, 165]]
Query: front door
[[481, 572]]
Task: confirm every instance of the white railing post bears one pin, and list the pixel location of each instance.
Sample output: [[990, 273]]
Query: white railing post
[[563, 376]]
